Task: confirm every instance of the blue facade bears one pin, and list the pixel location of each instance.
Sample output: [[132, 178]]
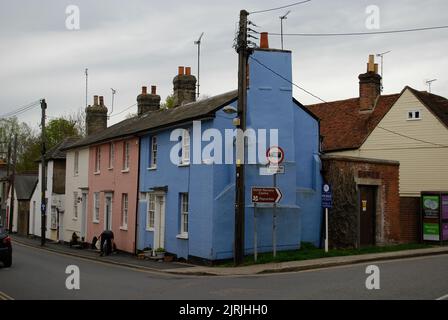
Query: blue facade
[[211, 187]]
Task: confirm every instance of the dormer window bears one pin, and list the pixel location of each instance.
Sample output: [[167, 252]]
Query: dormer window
[[414, 115]]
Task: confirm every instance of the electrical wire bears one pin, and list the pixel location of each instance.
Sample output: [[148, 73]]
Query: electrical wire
[[123, 111], [349, 114], [20, 110], [358, 33], [287, 80], [282, 7]]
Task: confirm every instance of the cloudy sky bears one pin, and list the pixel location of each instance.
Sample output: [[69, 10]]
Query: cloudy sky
[[128, 44]]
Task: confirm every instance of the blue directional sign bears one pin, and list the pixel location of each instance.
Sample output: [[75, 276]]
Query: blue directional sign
[[327, 197]]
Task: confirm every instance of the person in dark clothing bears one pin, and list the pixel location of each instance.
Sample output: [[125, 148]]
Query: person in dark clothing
[[107, 242]]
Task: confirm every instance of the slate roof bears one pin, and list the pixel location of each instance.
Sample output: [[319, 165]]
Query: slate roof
[[343, 127], [57, 152], [25, 185], [159, 119]]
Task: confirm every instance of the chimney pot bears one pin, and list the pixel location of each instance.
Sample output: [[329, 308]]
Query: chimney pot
[[144, 90], [153, 90], [188, 71], [95, 100], [101, 101], [264, 40], [181, 71]]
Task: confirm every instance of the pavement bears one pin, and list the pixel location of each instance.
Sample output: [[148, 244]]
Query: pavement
[[128, 260]]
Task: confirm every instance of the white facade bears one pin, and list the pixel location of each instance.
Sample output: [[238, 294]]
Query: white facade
[[76, 184], [16, 210], [54, 210], [423, 160]]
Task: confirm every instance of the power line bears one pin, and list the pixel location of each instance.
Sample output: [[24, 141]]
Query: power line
[[287, 80], [279, 8], [359, 33], [121, 112], [20, 110], [349, 114]]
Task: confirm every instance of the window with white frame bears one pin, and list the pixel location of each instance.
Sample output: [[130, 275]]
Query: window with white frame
[[184, 214], [150, 215], [185, 147], [76, 164], [97, 159], [126, 150], [75, 205], [153, 156], [96, 207], [54, 219], [111, 155], [124, 210], [415, 115]]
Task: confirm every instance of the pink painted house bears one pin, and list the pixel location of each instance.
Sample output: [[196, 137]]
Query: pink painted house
[[113, 178], [113, 170]]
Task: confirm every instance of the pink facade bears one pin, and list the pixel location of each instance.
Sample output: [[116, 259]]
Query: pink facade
[[113, 178]]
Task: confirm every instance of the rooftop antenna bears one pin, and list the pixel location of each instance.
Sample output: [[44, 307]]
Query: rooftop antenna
[[198, 43], [381, 55], [87, 86], [283, 17], [113, 96], [429, 83]]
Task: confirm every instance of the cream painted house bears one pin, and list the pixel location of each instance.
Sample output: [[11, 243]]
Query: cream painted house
[[413, 134], [76, 193], [410, 127]]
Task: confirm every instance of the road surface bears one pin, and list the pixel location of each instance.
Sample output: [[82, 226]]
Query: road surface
[[40, 274]]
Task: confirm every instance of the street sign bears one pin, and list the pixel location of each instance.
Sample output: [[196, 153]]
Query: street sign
[[266, 195], [43, 207], [327, 197], [275, 155], [271, 170]]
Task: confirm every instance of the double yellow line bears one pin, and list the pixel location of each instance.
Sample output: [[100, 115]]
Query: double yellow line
[[4, 296]]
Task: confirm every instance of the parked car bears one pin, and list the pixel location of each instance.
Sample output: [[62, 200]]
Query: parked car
[[5, 248]]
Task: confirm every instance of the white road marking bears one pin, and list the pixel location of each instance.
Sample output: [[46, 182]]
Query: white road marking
[[445, 297], [4, 296]]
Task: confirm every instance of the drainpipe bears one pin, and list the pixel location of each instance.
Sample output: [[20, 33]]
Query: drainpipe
[[137, 197]]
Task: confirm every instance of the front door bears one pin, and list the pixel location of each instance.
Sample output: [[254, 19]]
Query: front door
[[108, 213], [61, 226], [159, 223], [367, 213], [83, 216]]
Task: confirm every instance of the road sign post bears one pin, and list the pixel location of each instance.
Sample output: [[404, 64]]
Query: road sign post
[[255, 233], [327, 203]]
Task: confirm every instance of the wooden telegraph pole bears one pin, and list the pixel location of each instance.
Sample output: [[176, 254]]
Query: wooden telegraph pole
[[43, 184], [243, 54]]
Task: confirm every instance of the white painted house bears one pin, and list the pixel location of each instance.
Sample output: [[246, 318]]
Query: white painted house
[[55, 195], [76, 193]]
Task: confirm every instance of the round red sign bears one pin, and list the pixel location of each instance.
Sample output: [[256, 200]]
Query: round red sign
[[275, 155]]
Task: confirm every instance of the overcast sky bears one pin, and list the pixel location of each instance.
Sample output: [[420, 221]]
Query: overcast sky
[[128, 44]]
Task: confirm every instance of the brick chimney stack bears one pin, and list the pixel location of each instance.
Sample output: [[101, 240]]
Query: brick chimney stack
[[369, 86], [148, 102], [96, 116], [184, 87]]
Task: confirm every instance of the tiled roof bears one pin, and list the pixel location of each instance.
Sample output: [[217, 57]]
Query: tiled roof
[[159, 119], [437, 104], [343, 127]]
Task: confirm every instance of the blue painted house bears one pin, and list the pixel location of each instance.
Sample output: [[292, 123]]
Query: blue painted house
[[187, 170]]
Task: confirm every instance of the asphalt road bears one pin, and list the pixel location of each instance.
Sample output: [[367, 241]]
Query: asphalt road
[[39, 274]]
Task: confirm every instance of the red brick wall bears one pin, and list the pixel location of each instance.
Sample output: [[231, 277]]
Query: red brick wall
[[387, 173], [409, 219]]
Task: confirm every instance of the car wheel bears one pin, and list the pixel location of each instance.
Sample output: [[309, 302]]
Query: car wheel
[[8, 262]]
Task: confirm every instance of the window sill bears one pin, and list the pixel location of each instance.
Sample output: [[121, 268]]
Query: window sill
[[182, 236], [125, 171], [75, 219], [110, 169], [417, 119], [185, 164], [76, 175], [122, 228], [152, 168], [97, 173], [150, 229], [95, 222]]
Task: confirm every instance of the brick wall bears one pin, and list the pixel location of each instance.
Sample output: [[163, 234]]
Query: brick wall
[[409, 219]]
